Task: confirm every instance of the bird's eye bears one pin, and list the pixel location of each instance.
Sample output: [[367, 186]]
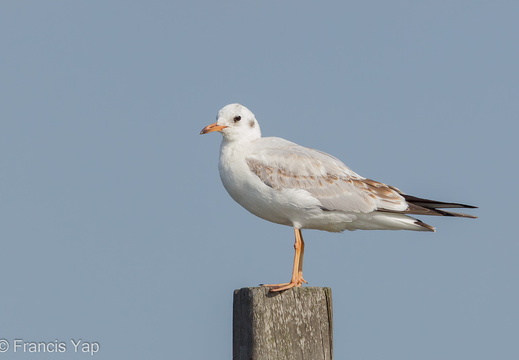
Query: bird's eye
[[237, 118]]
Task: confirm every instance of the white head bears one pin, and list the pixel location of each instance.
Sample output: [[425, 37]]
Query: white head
[[235, 122]]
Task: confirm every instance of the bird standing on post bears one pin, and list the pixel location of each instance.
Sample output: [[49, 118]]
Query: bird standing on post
[[292, 185]]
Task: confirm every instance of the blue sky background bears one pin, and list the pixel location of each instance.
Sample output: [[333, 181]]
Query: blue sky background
[[115, 227]]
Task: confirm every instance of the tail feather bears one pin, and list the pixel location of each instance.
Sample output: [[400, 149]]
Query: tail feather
[[424, 225]]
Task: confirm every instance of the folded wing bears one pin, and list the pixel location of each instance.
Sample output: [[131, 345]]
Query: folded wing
[[282, 164]]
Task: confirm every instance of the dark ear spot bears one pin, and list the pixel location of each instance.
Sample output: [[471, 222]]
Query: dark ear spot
[[252, 123]]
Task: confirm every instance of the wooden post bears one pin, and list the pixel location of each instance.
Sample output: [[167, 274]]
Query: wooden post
[[290, 325]]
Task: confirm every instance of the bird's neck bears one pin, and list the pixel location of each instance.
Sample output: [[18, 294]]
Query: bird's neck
[[242, 138]]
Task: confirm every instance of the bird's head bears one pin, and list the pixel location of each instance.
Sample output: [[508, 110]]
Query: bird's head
[[235, 122]]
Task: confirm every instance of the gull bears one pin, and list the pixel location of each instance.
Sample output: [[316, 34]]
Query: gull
[[285, 183]]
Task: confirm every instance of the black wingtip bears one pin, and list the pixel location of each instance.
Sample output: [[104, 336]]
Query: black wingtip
[[430, 204], [471, 207]]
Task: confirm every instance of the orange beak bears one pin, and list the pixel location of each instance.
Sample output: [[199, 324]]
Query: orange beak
[[211, 128]]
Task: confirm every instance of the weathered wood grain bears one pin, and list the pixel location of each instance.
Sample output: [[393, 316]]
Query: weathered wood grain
[[291, 325]]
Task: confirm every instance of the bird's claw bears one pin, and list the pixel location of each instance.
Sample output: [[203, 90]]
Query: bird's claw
[[285, 286]]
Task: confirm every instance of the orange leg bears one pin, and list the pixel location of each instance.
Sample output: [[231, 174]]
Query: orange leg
[[297, 269]]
